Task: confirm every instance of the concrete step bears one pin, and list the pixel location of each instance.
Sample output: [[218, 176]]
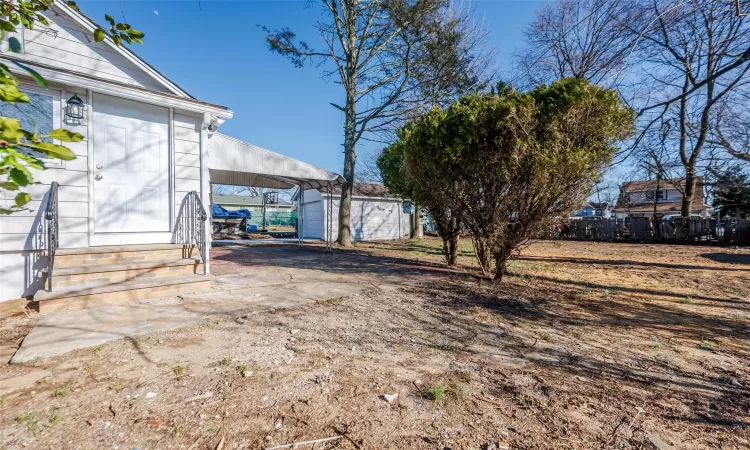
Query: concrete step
[[106, 273], [119, 292], [117, 248], [67, 257]]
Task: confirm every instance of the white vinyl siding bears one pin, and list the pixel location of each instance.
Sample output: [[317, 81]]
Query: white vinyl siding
[[668, 196], [72, 196], [68, 47], [372, 219], [23, 234], [187, 142]]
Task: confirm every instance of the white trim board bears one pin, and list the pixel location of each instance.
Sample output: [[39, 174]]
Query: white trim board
[[129, 92]]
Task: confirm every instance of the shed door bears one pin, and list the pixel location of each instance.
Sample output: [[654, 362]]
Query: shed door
[[131, 172]]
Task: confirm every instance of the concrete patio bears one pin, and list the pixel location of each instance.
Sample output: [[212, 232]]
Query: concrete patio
[[248, 278]]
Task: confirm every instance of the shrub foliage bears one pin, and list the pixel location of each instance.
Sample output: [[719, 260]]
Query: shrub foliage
[[504, 167]]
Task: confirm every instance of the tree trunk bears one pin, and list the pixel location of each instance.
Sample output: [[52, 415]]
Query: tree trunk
[[500, 268], [350, 133], [345, 206], [450, 249], [656, 218], [453, 249], [687, 197], [483, 254], [450, 232], [501, 262], [416, 232]]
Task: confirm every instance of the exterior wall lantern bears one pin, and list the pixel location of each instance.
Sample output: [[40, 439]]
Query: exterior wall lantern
[[74, 107]]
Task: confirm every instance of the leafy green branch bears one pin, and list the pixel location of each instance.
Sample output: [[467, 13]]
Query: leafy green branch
[[17, 145]]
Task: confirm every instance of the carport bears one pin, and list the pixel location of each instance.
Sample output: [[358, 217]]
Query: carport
[[237, 163]]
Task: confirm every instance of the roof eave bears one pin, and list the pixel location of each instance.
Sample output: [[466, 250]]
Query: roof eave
[[69, 77]]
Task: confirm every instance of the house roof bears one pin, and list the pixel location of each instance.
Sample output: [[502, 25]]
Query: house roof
[[82, 19], [362, 190], [244, 200], [644, 185]]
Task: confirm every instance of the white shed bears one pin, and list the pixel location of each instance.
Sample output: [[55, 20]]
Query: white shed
[[376, 214]]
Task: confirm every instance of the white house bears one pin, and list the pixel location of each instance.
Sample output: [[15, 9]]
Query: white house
[[375, 213], [125, 219], [638, 198]]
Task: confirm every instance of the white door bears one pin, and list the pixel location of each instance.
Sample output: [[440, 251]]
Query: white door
[[131, 172]]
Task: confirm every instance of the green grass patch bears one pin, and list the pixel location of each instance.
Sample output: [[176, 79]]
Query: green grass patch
[[31, 420], [100, 348], [212, 428], [118, 385], [438, 392], [55, 420]]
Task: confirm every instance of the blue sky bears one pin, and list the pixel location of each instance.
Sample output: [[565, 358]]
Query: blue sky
[[216, 51]]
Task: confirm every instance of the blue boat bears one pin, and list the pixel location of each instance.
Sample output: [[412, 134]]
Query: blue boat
[[223, 218]]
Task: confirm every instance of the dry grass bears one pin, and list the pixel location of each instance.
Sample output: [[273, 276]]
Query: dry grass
[[582, 346]]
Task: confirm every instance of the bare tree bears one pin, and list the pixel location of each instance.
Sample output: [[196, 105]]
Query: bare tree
[[731, 128], [380, 52], [694, 56], [679, 64], [367, 169], [252, 191], [577, 38], [455, 61], [606, 191]]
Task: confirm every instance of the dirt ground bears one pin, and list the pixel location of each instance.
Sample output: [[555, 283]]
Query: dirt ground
[[583, 345]]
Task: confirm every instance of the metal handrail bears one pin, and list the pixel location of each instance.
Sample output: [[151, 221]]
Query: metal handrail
[[51, 217], [196, 225]]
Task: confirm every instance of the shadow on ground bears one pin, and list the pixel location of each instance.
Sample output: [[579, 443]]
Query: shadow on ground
[[559, 333], [729, 258]]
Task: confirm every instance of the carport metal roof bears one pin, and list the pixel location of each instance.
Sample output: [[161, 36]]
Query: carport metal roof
[[238, 163]]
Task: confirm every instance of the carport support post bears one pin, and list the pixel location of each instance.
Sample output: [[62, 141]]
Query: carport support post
[[328, 223], [301, 216]]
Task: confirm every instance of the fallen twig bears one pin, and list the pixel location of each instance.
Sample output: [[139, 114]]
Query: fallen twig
[[490, 401], [295, 444]]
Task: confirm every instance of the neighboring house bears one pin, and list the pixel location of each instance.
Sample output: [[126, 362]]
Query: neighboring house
[[375, 213], [254, 204], [593, 209], [637, 199], [132, 198]]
